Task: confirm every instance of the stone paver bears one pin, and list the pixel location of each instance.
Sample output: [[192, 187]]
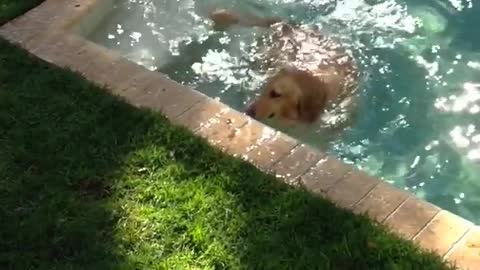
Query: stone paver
[[237, 141], [411, 217], [120, 72], [68, 51], [87, 14], [104, 67], [165, 96], [62, 14], [93, 62], [134, 83], [202, 114], [350, 190], [381, 202], [324, 175], [270, 151], [25, 36], [466, 254], [442, 232], [155, 91], [51, 14], [296, 163]]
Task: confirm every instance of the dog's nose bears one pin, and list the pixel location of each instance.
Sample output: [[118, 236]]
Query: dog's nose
[[250, 111]]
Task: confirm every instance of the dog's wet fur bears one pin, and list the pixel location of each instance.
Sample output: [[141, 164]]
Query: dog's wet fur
[[312, 72]]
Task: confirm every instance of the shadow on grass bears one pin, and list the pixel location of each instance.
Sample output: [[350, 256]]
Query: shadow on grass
[[88, 182], [61, 142]]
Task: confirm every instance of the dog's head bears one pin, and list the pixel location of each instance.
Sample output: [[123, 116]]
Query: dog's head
[[291, 95]]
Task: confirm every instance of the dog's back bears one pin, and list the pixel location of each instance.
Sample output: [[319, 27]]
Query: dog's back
[[322, 74], [307, 49]]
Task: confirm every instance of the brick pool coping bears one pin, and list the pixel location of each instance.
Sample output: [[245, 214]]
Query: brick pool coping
[[51, 32]]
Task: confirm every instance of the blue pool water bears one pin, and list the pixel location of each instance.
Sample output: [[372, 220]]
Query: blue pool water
[[418, 126]]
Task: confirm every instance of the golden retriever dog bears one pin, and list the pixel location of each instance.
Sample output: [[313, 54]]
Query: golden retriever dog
[[311, 73]]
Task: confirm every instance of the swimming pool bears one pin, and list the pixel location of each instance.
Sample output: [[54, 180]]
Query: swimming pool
[[418, 124]]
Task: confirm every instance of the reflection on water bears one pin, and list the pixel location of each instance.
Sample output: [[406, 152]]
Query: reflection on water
[[417, 126]]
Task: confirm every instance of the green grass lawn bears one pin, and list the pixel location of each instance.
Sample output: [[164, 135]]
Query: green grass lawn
[[89, 182]]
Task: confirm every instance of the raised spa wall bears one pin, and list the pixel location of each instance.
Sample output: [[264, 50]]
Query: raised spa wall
[[54, 32]]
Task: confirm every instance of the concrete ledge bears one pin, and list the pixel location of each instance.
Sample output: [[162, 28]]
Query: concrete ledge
[[411, 217], [467, 250], [50, 32]]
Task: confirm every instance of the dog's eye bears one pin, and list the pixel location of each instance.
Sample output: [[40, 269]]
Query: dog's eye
[[271, 115], [274, 94]]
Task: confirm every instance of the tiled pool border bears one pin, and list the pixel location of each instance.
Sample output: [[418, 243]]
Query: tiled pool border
[[46, 32]]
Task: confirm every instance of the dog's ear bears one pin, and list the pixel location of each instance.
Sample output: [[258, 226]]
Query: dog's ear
[[308, 109], [313, 98]]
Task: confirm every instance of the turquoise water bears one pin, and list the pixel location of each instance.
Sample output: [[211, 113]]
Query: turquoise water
[[418, 124]]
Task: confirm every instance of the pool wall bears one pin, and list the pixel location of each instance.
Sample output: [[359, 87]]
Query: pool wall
[[54, 32]]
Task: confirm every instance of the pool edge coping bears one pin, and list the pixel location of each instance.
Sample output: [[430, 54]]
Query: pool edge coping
[[45, 32]]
